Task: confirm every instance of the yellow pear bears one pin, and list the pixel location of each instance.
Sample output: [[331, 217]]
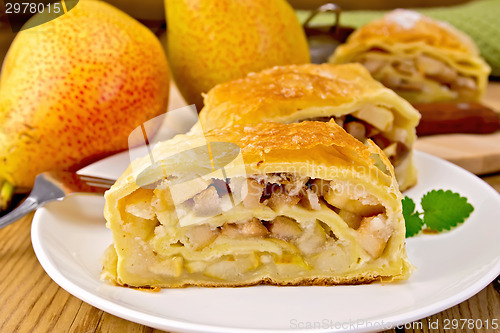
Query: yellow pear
[[210, 42], [72, 90]]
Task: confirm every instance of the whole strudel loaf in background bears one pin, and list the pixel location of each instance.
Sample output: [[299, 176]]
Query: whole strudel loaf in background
[[421, 59]]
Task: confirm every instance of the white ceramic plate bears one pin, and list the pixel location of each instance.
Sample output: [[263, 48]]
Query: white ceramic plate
[[69, 238]]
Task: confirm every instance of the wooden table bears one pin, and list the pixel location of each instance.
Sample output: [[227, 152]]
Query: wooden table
[[31, 302]]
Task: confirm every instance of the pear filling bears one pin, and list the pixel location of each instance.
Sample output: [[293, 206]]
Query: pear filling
[[406, 74], [280, 241], [375, 123]]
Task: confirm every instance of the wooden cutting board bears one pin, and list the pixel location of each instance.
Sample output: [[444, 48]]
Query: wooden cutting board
[[478, 153]]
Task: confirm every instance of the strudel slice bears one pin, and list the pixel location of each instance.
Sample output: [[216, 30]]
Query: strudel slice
[[296, 204], [344, 93], [421, 59]]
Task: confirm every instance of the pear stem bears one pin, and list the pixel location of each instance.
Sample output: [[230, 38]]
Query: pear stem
[[6, 193]]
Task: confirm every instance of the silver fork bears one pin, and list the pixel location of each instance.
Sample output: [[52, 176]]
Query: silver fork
[[56, 185]]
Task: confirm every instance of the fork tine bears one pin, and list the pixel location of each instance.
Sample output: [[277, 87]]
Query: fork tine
[[96, 180], [74, 183], [55, 185], [100, 185]]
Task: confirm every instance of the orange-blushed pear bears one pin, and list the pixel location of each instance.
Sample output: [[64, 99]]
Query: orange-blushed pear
[[72, 89]]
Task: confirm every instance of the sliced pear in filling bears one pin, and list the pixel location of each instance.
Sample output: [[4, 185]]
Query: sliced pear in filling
[[377, 116], [232, 266]]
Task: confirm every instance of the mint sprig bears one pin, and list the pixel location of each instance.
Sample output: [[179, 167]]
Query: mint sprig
[[442, 210], [412, 219]]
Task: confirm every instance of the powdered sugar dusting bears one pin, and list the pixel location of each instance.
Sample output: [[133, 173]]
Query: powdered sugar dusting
[[404, 18]]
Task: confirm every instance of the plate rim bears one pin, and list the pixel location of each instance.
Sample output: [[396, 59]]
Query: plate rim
[[163, 323]]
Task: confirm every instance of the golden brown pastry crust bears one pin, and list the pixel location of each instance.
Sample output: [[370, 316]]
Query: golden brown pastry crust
[[273, 147], [264, 141], [404, 26], [319, 281], [281, 93]]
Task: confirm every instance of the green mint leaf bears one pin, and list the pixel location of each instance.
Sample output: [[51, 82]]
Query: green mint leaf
[[444, 210], [413, 222], [408, 206], [413, 225]]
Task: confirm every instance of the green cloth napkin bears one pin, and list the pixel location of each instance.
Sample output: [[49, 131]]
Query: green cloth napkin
[[479, 19]]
